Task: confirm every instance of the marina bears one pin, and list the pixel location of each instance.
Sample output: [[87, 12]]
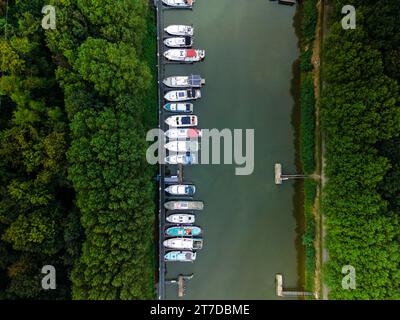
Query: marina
[[248, 216]]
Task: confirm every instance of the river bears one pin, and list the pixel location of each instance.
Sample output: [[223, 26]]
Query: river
[[250, 225]]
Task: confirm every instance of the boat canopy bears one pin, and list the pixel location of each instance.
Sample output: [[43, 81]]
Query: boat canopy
[[195, 80], [186, 120], [188, 41], [191, 53]]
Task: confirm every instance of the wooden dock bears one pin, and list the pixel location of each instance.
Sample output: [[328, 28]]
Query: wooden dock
[[181, 283], [279, 176], [281, 292]]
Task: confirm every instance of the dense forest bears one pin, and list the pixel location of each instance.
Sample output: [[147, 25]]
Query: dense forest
[[76, 190], [361, 120]]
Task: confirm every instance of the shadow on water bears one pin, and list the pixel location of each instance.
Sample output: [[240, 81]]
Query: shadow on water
[[298, 196]]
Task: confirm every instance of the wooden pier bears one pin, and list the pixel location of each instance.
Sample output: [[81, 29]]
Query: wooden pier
[[181, 283], [279, 176], [281, 292]]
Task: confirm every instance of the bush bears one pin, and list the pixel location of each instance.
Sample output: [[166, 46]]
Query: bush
[[307, 127]]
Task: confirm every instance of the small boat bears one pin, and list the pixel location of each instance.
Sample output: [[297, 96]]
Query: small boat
[[183, 95], [185, 55], [179, 30], [180, 256], [179, 42], [182, 218], [179, 107], [184, 205], [179, 3], [184, 243], [183, 133], [192, 81], [181, 121], [181, 159], [182, 146], [181, 189], [183, 231]]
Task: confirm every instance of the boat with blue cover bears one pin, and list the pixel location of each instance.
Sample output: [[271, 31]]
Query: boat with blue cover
[[180, 256], [184, 231], [179, 107]]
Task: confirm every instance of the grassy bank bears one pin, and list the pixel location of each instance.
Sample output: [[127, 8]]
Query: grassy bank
[[309, 16]]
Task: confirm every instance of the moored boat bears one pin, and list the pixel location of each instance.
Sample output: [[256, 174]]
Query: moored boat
[[179, 42], [183, 95], [184, 133], [184, 205], [181, 189], [181, 159], [180, 256], [191, 81], [184, 243], [181, 218], [179, 30], [179, 3], [182, 146], [179, 107], [185, 55], [183, 231], [181, 121]]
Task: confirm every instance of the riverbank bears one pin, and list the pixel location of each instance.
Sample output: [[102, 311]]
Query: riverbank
[[309, 136]]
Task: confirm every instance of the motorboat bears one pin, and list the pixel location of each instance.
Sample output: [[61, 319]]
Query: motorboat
[[183, 243], [181, 218], [184, 205], [183, 95], [183, 231], [181, 189], [179, 107], [182, 146], [191, 81], [179, 42], [179, 3], [184, 133], [181, 121], [181, 159], [185, 55], [180, 256], [179, 30]]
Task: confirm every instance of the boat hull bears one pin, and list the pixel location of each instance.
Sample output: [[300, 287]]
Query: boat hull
[[179, 30], [183, 218], [191, 231], [183, 133], [183, 243], [180, 256], [181, 190], [179, 107], [184, 205]]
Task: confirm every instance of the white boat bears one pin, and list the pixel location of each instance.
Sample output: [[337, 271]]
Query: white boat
[[183, 95], [179, 42], [179, 3], [184, 205], [179, 107], [181, 121], [183, 243], [192, 81], [183, 133], [185, 55], [182, 146], [182, 218], [181, 189], [179, 30], [181, 159], [180, 256]]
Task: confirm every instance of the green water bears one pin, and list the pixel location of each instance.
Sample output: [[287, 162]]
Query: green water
[[249, 223]]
